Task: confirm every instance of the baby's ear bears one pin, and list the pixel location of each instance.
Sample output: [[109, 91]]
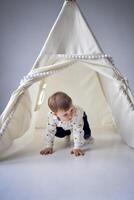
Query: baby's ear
[[55, 113]]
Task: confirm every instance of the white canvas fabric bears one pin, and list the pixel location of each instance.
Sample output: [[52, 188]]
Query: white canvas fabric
[[70, 61]]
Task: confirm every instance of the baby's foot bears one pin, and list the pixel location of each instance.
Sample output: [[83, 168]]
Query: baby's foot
[[90, 140], [67, 139]]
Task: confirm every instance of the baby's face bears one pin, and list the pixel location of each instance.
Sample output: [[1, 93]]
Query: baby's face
[[65, 115]]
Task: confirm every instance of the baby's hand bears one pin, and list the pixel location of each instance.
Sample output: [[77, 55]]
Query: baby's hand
[[77, 152], [46, 151]]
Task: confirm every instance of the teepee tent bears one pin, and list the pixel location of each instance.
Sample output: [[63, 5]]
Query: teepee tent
[[72, 61]]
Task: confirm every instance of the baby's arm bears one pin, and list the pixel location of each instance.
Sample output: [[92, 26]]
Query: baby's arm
[[50, 134], [78, 135]]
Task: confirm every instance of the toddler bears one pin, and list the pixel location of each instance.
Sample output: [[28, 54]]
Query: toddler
[[64, 119]]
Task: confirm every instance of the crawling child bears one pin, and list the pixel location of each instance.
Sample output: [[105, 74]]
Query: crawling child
[[65, 119]]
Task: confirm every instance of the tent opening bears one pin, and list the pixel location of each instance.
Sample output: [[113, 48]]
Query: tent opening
[[84, 86]]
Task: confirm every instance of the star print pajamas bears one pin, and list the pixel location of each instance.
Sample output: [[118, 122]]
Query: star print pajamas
[[78, 126]]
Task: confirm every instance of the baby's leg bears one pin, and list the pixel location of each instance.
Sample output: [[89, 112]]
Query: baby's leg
[[86, 127], [60, 132], [87, 131]]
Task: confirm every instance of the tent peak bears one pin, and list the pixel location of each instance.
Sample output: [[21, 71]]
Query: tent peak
[[70, 1]]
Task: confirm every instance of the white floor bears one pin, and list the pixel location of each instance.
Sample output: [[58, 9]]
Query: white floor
[[106, 172]]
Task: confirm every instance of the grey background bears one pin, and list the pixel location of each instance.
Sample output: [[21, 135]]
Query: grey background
[[25, 24]]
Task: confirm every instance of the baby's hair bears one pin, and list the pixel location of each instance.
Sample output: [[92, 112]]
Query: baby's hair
[[59, 101]]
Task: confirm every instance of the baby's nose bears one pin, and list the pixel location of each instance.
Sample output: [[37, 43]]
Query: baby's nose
[[70, 116]]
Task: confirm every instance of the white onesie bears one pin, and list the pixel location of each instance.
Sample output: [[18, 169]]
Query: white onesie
[[75, 125]]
